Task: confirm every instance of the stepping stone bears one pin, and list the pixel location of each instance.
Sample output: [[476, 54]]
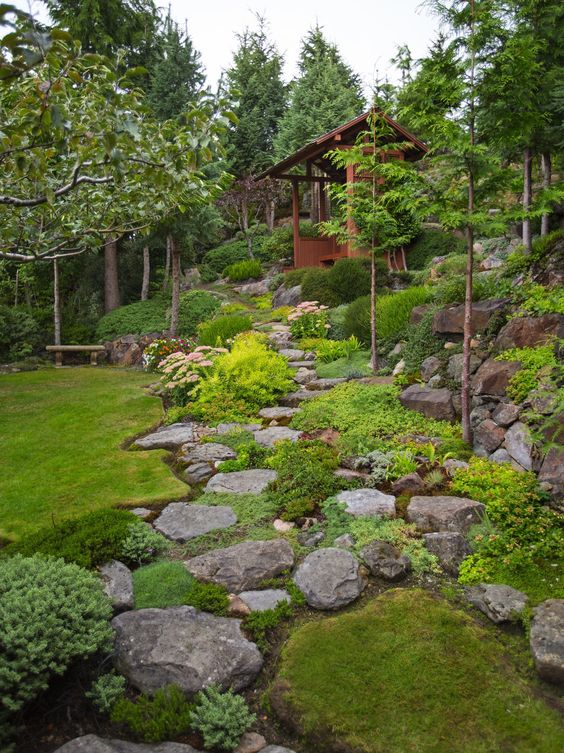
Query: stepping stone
[[278, 413], [292, 354], [180, 645], [181, 522], [234, 426], [449, 547], [168, 437], [254, 481], [260, 601], [243, 567], [547, 640], [444, 513], [293, 399], [368, 503], [325, 384], [269, 437], [142, 512], [95, 744], [329, 578], [304, 376], [300, 364], [209, 452], [498, 602], [118, 585], [385, 561], [197, 473]]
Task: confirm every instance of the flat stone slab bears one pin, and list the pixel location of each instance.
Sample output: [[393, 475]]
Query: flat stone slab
[[118, 585], [181, 522], [303, 376], [243, 567], [278, 413], [268, 437], [209, 452], [293, 399], [325, 384], [157, 647], [300, 365], [95, 744], [368, 503], [498, 602], [168, 437], [329, 578], [254, 481], [260, 601], [444, 513], [432, 403], [547, 640], [292, 354]]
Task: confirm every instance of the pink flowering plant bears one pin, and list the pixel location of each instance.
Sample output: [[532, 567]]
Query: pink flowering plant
[[308, 319], [158, 350], [182, 372]]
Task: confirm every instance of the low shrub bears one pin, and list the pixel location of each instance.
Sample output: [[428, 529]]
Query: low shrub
[[258, 624], [181, 372], [402, 535], [208, 597], [263, 302], [223, 328], [221, 718], [51, 614], [535, 362], [196, 306], [336, 318], [217, 259], [142, 544], [248, 269], [537, 300], [349, 279], [249, 455], [295, 276], [140, 318], [354, 366], [452, 289], [431, 243], [158, 350], [161, 584], [315, 287], [392, 314], [207, 273], [154, 719], [106, 691], [420, 343], [305, 477], [331, 350], [308, 319], [19, 334]]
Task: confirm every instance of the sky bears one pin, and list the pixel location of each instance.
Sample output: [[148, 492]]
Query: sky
[[367, 32]]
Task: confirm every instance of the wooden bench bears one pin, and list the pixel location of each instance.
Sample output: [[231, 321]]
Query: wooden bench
[[58, 350]]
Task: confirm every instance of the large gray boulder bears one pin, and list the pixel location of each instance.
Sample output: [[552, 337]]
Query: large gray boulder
[[519, 445], [455, 364], [429, 367], [368, 503], [292, 354], [287, 296], [498, 602], [487, 437], [547, 640], [506, 413], [552, 475], [168, 437], [269, 598], [180, 645], [254, 481], [95, 744], [293, 399], [245, 566], [444, 513], [329, 578], [433, 403], [181, 522], [450, 548], [385, 561], [528, 331], [450, 320], [118, 585], [268, 437]]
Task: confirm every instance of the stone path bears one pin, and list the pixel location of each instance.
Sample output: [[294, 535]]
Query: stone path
[[181, 522]]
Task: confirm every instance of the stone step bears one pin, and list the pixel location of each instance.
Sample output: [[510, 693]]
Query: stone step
[[301, 364], [293, 399], [324, 384]]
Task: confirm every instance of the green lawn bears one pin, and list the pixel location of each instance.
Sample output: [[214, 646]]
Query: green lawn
[[60, 436], [409, 673]]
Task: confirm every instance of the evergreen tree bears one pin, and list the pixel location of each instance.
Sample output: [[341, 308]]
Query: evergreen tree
[[326, 95], [259, 96]]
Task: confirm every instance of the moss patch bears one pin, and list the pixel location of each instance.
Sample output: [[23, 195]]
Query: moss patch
[[410, 674]]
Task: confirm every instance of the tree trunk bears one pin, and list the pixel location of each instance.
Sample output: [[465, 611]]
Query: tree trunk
[[167, 264], [111, 279], [175, 257], [546, 165], [146, 273], [269, 212], [245, 227], [56, 303], [17, 288], [527, 198], [373, 338]]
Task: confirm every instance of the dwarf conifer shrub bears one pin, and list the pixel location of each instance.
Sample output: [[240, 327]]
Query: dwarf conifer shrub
[[106, 691], [222, 718], [349, 279], [196, 306], [163, 716], [51, 614], [392, 314]]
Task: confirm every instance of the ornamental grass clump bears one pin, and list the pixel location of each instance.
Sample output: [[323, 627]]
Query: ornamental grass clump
[[51, 614], [308, 319], [222, 718]]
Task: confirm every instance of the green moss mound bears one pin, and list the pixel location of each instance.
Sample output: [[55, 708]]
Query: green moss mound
[[410, 674]]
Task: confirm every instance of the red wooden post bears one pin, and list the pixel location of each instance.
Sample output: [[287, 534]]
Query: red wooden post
[[296, 220]]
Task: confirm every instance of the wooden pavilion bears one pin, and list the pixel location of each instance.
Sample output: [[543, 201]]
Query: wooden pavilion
[[311, 166]]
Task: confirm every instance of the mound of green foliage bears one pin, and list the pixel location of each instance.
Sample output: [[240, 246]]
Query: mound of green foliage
[[248, 269], [409, 672], [196, 306], [218, 331], [169, 584], [51, 614], [153, 719], [536, 364], [93, 539], [19, 333], [392, 314], [431, 243], [342, 283], [368, 417], [140, 318], [221, 718]]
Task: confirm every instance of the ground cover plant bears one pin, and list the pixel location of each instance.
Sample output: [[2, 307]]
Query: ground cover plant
[[368, 417], [139, 318], [355, 365], [155, 718], [537, 364], [84, 416], [169, 584], [354, 681]]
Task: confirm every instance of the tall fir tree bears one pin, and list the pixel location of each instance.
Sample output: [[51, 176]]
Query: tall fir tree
[[259, 97], [326, 94]]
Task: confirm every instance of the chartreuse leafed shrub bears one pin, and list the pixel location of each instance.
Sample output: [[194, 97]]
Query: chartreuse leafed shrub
[[247, 269], [224, 328], [163, 716], [106, 691], [392, 313], [221, 718], [368, 417], [534, 363], [305, 477], [409, 672], [196, 306], [523, 546], [242, 382], [51, 614], [431, 243], [93, 539], [536, 300], [138, 318]]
